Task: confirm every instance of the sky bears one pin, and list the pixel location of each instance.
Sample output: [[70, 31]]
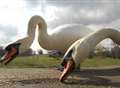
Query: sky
[[95, 14]]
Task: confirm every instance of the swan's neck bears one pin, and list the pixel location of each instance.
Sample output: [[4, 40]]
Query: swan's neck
[[38, 22], [93, 39], [84, 46], [25, 43], [44, 39], [32, 25]]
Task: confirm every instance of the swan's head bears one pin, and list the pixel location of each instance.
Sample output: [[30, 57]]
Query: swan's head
[[11, 51], [68, 63], [68, 68]]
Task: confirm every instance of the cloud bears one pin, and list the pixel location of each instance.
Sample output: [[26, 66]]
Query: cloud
[[35, 3], [80, 11], [7, 33], [68, 15]]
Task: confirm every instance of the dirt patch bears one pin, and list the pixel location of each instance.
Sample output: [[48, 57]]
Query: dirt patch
[[48, 78]]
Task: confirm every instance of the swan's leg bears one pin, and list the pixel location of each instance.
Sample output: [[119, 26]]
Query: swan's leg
[[68, 68]]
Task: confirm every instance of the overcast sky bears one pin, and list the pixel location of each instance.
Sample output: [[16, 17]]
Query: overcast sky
[[14, 15]]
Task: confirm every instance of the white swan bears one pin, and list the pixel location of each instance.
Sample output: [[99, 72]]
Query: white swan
[[80, 50], [59, 39]]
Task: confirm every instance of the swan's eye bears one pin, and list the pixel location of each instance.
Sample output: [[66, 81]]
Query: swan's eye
[[8, 48]]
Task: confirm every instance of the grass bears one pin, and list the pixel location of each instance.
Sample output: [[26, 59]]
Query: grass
[[49, 62], [34, 61], [101, 62]]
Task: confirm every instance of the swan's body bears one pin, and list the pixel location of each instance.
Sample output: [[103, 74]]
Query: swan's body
[[80, 50], [59, 39]]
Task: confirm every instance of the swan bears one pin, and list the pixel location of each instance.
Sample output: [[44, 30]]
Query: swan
[[81, 48], [59, 39]]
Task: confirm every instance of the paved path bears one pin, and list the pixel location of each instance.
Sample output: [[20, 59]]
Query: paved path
[[48, 78]]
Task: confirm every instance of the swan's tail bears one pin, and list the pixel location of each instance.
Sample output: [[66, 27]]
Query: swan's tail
[[33, 22]]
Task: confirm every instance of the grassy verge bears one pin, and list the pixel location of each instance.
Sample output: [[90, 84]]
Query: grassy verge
[[34, 61], [48, 62], [101, 62]]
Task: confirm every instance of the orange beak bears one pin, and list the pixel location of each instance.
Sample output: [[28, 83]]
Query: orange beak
[[9, 55], [68, 68]]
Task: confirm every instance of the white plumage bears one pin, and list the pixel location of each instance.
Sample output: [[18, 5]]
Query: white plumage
[[60, 38]]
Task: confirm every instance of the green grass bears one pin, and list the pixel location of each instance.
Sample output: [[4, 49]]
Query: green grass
[[49, 62], [101, 62], [34, 61]]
